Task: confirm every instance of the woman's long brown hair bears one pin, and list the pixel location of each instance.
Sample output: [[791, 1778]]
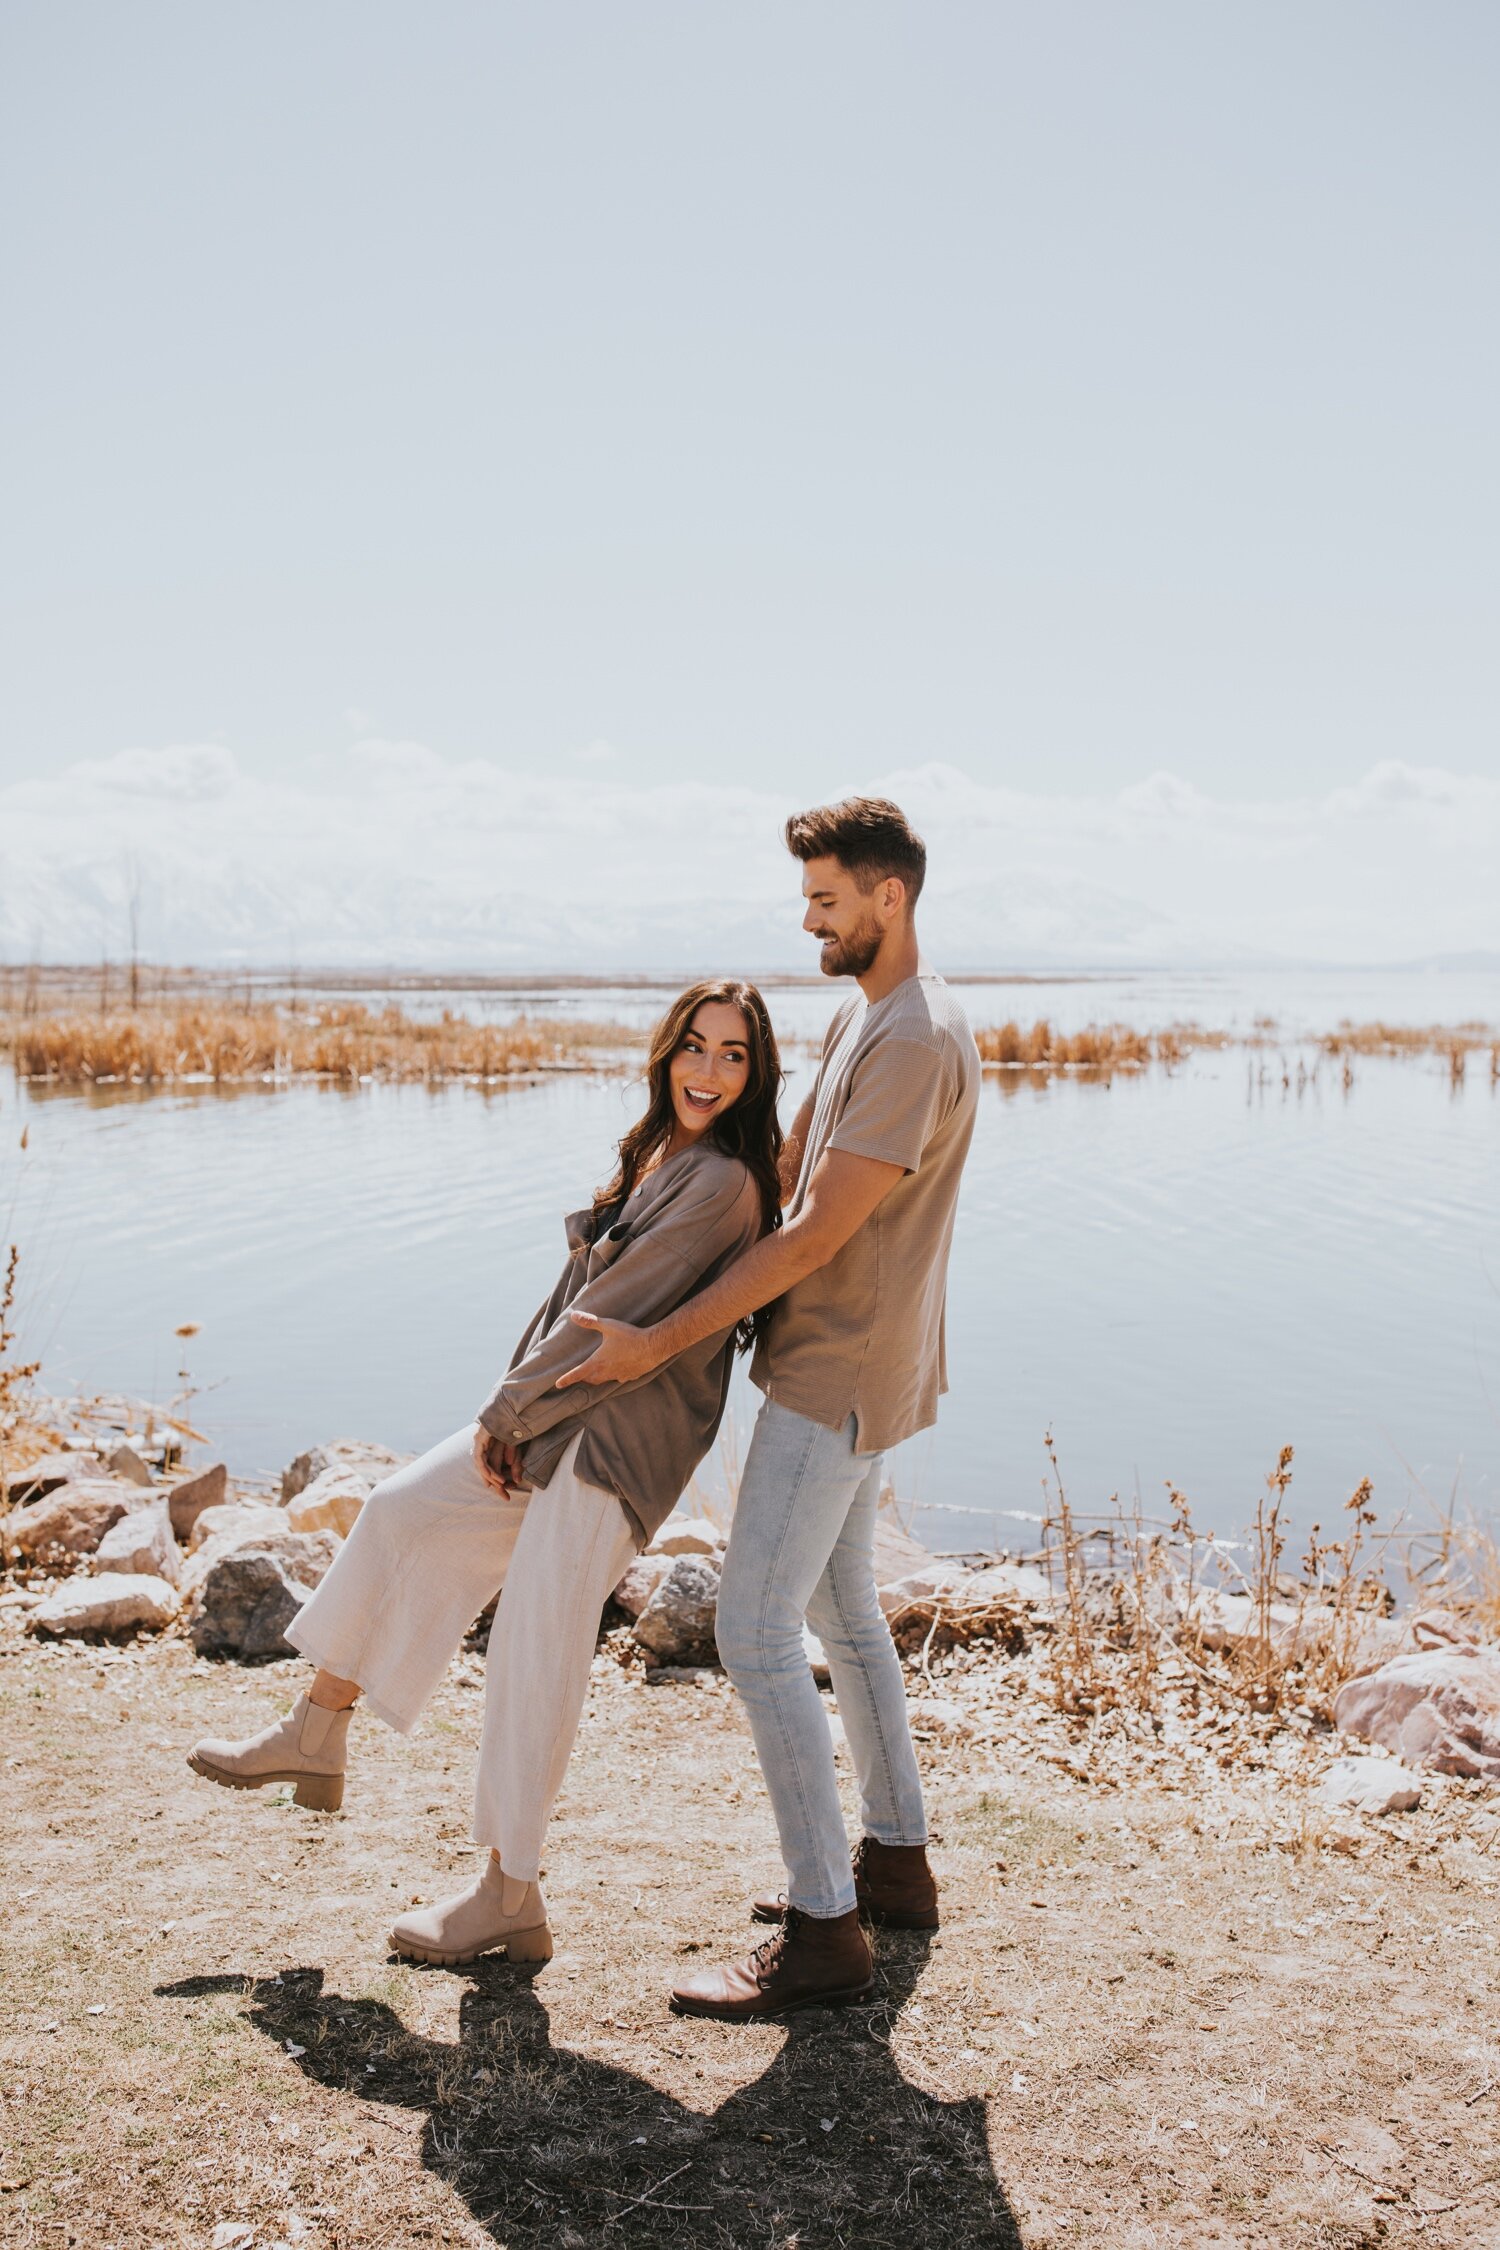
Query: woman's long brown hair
[[749, 1130]]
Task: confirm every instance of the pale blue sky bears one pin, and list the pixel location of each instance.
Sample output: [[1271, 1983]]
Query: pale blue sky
[[1061, 391]]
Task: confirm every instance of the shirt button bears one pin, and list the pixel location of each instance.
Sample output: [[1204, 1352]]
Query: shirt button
[[515, 1433]]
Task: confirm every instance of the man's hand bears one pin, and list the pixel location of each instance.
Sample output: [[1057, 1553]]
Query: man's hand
[[623, 1356], [499, 1464]]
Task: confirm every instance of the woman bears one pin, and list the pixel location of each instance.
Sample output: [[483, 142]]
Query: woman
[[552, 1491]]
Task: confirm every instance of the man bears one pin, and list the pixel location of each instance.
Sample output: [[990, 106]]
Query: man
[[852, 1363]]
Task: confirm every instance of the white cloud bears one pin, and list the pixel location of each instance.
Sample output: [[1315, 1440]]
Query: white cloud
[[387, 851], [183, 772]]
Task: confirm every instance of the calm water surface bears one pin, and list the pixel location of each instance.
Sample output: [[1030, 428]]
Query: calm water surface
[[1175, 1274]]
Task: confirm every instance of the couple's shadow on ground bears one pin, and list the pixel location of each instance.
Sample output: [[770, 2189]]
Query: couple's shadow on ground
[[547, 2145]]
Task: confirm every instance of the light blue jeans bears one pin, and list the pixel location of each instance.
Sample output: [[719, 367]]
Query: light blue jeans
[[803, 1546]]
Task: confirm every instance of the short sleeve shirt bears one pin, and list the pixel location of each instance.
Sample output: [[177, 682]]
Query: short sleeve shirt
[[864, 1335]]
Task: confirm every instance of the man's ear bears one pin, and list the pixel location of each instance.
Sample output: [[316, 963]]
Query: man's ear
[[893, 897]]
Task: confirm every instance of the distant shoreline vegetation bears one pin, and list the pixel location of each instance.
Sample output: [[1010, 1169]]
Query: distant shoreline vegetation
[[166, 1036]]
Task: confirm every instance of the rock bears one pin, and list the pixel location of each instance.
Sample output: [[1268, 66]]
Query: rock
[[942, 1720], [686, 1535], [245, 1605], [641, 1581], [141, 1542], [1010, 1581], [71, 1520], [1438, 1707], [119, 1602], [937, 1581], [817, 1657], [677, 1623], [897, 1554], [1369, 1785], [234, 1515], [1223, 1620], [262, 1531], [209, 1489], [370, 1461], [330, 1503], [42, 1476], [126, 1462]]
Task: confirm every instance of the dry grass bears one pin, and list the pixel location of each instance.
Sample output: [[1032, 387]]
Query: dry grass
[[1134, 1596], [1100, 1049], [1455, 1042], [344, 1043]]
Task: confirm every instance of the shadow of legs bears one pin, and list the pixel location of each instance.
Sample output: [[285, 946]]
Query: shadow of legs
[[549, 2146]]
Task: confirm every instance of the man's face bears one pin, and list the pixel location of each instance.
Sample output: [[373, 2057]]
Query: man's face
[[842, 917]]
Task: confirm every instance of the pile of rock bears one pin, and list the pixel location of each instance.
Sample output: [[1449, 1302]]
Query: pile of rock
[[671, 1592], [143, 1550], [137, 1550]]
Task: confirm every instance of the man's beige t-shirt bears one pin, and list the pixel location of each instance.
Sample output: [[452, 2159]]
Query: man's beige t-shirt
[[864, 1334]]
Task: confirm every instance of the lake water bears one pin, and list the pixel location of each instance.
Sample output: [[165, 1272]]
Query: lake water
[[1177, 1274]]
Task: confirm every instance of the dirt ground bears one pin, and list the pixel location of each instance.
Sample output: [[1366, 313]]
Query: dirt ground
[[1168, 2006]]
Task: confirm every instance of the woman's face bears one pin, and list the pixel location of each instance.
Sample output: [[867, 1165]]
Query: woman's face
[[709, 1070]]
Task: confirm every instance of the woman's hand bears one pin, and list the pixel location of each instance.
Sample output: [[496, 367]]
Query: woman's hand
[[498, 1463], [624, 1352]]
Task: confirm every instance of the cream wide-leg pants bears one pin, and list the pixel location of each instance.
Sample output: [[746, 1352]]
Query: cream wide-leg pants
[[431, 1546]]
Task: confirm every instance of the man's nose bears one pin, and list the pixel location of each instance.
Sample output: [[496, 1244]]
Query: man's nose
[[810, 919]]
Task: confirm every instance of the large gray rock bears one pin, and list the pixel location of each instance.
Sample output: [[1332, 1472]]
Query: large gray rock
[[71, 1520], [208, 1489], [262, 1531], [1439, 1707], [245, 1605], [641, 1581], [370, 1461], [141, 1542], [677, 1623], [115, 1603]]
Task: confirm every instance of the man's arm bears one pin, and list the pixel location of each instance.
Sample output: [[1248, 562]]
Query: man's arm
[[792, 1147], [841, 1195]]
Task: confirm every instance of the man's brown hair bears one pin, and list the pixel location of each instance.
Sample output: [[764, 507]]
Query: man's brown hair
[[868, 836]]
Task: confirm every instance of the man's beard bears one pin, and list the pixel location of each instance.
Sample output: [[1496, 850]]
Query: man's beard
[[853, 955]]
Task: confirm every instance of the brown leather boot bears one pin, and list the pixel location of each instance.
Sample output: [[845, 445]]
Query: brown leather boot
[[893, 1885], [809, 1963]]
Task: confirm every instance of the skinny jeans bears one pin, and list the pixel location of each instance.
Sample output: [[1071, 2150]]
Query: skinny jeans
[[430, 1547], [803, 1546]]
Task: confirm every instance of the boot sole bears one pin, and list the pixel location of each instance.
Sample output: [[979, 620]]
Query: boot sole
[[534, 1944], [849, 1998], [315, 1792], [882, 1917]]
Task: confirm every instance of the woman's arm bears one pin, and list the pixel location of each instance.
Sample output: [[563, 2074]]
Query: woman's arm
[[655, 1271]]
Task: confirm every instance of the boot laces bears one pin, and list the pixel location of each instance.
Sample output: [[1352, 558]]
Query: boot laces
[[766, 1959]]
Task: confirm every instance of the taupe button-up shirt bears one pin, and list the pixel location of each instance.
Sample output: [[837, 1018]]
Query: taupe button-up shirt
[[642, 1441]]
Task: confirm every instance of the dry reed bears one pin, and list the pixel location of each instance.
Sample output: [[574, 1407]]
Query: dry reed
[[1101, 1048], [344, 1043], [1127, 1590], [15, 1375]]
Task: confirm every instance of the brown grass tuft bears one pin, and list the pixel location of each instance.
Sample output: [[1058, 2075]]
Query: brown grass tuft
[[343, 1042]]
